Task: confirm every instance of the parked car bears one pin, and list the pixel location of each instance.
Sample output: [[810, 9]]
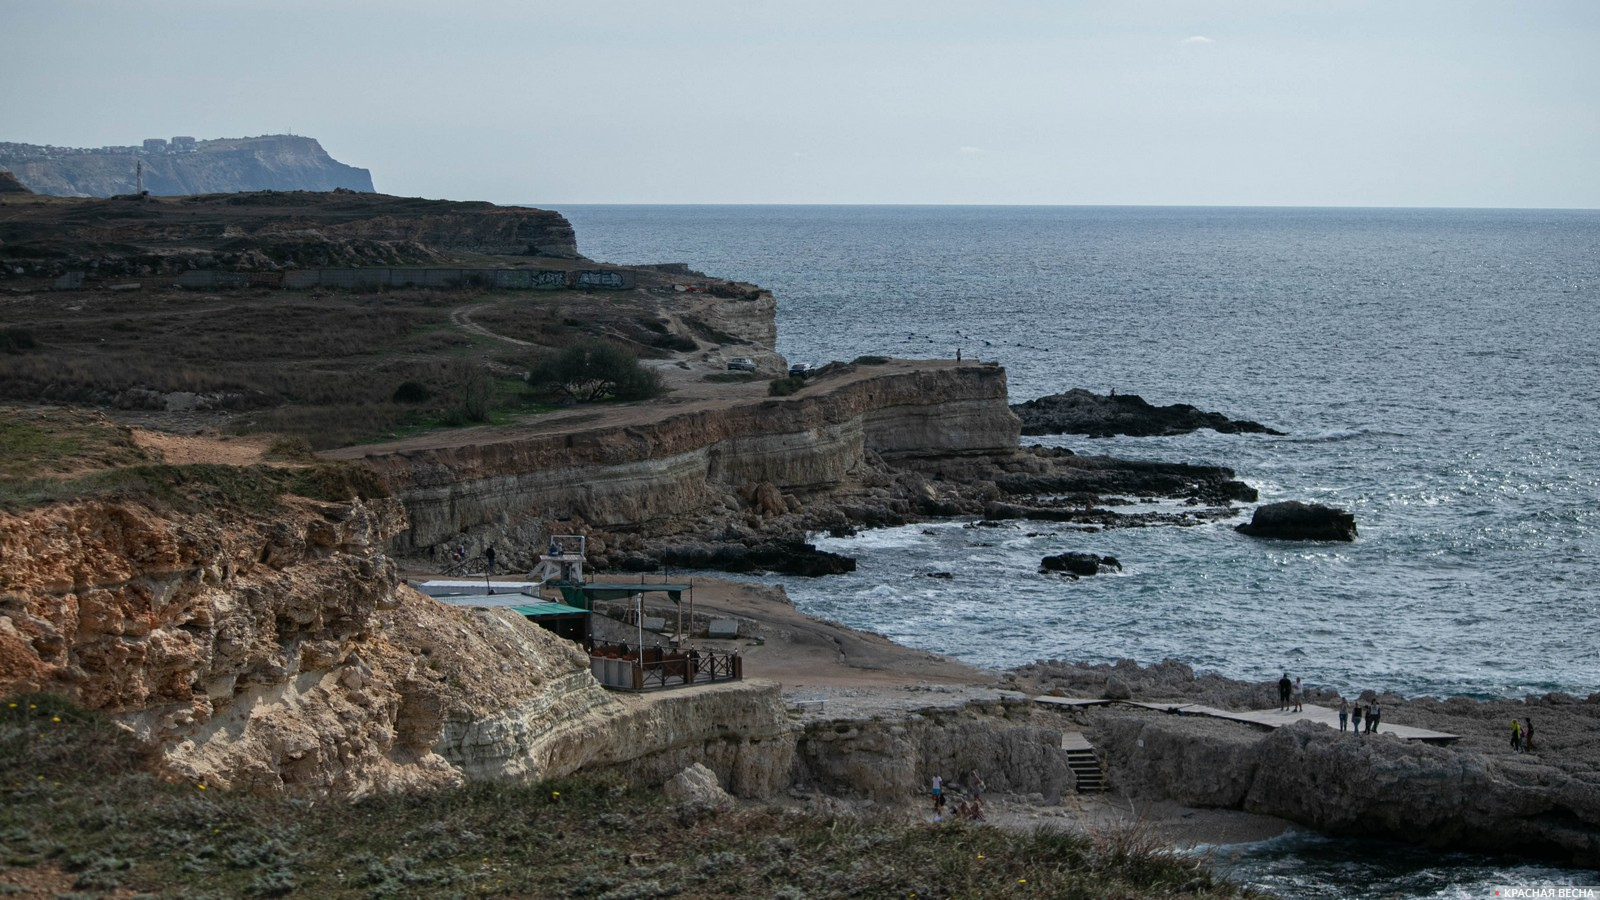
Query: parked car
[[741, 364], [802, 370]]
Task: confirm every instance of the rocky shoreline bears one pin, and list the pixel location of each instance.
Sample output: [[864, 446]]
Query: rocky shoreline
[[1474, 794]]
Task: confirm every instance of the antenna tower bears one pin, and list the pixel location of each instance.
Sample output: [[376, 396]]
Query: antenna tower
[[138, 177]]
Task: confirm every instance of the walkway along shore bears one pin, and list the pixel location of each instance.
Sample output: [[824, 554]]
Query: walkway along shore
[[1264, 718]]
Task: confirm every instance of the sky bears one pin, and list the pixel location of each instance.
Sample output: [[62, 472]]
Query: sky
[[1457, 103]]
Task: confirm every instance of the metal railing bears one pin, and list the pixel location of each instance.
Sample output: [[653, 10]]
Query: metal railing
[[625, 667]]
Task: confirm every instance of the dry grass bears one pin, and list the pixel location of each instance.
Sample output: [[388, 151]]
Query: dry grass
[[322, 365], [114, 827]]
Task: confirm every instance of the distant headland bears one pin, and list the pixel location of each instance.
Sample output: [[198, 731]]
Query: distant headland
[[181, 166]]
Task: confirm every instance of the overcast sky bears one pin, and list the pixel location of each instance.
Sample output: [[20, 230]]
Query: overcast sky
[[1212, 102]]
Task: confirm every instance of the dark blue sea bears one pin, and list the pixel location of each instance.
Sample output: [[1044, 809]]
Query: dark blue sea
[[1436, 372]]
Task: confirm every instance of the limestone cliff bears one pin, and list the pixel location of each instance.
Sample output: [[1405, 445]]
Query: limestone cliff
[[277, 162], [283, 653], [646, 476]]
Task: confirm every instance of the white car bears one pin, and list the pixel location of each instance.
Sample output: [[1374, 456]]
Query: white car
[[741, 364]]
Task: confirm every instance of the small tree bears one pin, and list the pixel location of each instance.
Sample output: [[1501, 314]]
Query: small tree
[[593, 370]]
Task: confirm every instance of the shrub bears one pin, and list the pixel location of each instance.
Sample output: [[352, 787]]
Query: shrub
[[871, 360], [783, 387], [593, 370]]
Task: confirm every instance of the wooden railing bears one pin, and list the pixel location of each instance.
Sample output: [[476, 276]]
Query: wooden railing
[[625, 667]]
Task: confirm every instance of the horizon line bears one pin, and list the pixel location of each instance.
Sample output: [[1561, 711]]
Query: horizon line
[[550, 205]]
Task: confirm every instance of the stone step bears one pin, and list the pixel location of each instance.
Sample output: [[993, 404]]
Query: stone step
[[1085, 766]]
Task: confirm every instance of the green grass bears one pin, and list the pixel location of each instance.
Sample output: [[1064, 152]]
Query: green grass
[[36, 442], [58, 455], [77, 796]]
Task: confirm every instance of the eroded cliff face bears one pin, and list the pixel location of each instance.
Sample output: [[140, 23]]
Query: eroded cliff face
[[892, 758], [283, 652], [647, 477]]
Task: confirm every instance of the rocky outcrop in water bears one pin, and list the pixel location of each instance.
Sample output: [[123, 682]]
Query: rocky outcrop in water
[[1293, 520], [1082, 412], [1079, 565]]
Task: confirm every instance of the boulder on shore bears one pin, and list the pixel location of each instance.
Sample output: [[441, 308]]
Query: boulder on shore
[[1293, 520]]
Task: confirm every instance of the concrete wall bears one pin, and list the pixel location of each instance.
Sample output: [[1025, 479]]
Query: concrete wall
[[382, 277]]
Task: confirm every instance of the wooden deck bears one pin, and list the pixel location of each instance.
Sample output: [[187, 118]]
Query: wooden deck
[[1264, 718], [1272, 718]]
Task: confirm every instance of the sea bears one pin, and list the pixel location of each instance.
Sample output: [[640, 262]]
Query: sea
[[1436, 372]]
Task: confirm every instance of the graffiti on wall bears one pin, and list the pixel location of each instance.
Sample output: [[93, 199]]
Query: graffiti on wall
[[599, 279]]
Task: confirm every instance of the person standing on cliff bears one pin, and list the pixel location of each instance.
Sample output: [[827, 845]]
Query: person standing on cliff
[[1284, 687], [1299, 696], [1355, 717], [1516, 736], [938, 798], [488, 558], [975, 785], [1344, 714], [1527, 736], [1374, 713]]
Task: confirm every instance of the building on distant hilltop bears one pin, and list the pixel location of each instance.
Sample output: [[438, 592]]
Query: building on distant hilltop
[[155, 145], [183, 144]]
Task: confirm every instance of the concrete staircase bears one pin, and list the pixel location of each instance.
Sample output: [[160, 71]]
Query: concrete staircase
[[1085, 764]]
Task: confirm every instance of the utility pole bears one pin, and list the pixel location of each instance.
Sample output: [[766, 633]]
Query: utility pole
[[138, 177]]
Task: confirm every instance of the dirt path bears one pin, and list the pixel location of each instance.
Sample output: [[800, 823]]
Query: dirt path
[[180, 450], [461, 317], [690, 392]]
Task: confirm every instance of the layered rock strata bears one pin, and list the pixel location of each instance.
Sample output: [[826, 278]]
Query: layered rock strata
[[654, 477], [905, 442]]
